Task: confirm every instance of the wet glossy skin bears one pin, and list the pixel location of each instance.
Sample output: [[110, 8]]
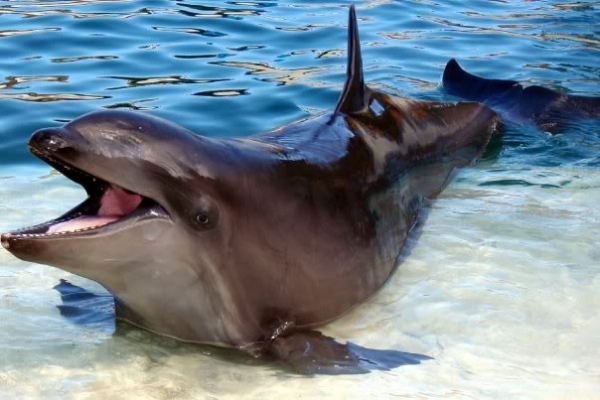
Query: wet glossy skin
[[350, 202], [321, 204], [298, 225]]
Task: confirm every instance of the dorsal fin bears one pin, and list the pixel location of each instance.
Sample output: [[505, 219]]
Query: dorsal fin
[[353, 98]]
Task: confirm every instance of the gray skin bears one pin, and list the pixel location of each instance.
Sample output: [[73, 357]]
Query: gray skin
[[249, 243]]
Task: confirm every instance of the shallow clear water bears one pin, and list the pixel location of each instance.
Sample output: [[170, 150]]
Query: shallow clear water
[[501, 287]]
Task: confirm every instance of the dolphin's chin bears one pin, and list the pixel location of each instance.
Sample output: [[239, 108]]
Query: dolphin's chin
[[108, 207]]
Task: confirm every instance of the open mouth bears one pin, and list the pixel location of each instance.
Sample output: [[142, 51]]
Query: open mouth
[[108, 206]]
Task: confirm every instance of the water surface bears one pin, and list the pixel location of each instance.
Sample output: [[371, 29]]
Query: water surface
[[501, 287]]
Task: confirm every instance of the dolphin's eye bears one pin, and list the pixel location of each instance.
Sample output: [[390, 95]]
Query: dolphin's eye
[[202, 218], [205, 219], [205, 213]]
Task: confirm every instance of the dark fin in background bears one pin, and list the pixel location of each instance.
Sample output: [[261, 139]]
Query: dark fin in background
[[459, 82], [354, 96], [83, 307], [311, 352], [549, 109], [504, 95]]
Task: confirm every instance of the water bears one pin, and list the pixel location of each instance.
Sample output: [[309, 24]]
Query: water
[[501, 287]]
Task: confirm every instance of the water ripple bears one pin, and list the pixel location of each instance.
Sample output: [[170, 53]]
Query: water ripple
[[82, 58], [48, 97], [195, 31], [160, 80], [75, 14], [17, 32], [12, 81], [278, 75], [203, 11], [514, 30], [223, 93]]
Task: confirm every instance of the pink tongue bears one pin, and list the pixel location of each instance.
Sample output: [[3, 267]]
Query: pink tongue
[[85, 221], [115, 203]]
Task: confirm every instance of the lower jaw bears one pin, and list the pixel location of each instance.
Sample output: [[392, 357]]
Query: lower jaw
[[80, 224]]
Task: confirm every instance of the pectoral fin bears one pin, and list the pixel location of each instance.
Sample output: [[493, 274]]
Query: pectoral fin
[[311, 352], [83, 307]]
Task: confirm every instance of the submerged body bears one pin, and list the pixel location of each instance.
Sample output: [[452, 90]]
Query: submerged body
[[248, 243]]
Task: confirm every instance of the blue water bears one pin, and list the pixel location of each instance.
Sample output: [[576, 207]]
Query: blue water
[[236, 68]]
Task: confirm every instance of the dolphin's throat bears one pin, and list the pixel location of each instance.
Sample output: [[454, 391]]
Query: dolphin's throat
[[115, 203]]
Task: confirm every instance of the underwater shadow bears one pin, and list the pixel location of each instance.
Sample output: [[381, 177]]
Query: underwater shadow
[[319, 354]]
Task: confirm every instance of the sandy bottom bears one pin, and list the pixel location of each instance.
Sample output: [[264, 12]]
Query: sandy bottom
[[501, 288]]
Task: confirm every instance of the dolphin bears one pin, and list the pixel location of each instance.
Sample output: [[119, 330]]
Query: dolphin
[[252, 243], [547, 108]]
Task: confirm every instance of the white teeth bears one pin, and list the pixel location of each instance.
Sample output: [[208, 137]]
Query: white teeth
[[27, 235], [54, 222]]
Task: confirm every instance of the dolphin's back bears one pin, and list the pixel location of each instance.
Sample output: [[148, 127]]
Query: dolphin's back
[[360, 180]]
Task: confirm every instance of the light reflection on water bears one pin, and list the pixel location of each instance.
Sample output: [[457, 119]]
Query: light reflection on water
[[501, 286]]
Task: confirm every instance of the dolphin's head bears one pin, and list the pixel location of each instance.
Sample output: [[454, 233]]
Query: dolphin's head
[[146, 231]]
